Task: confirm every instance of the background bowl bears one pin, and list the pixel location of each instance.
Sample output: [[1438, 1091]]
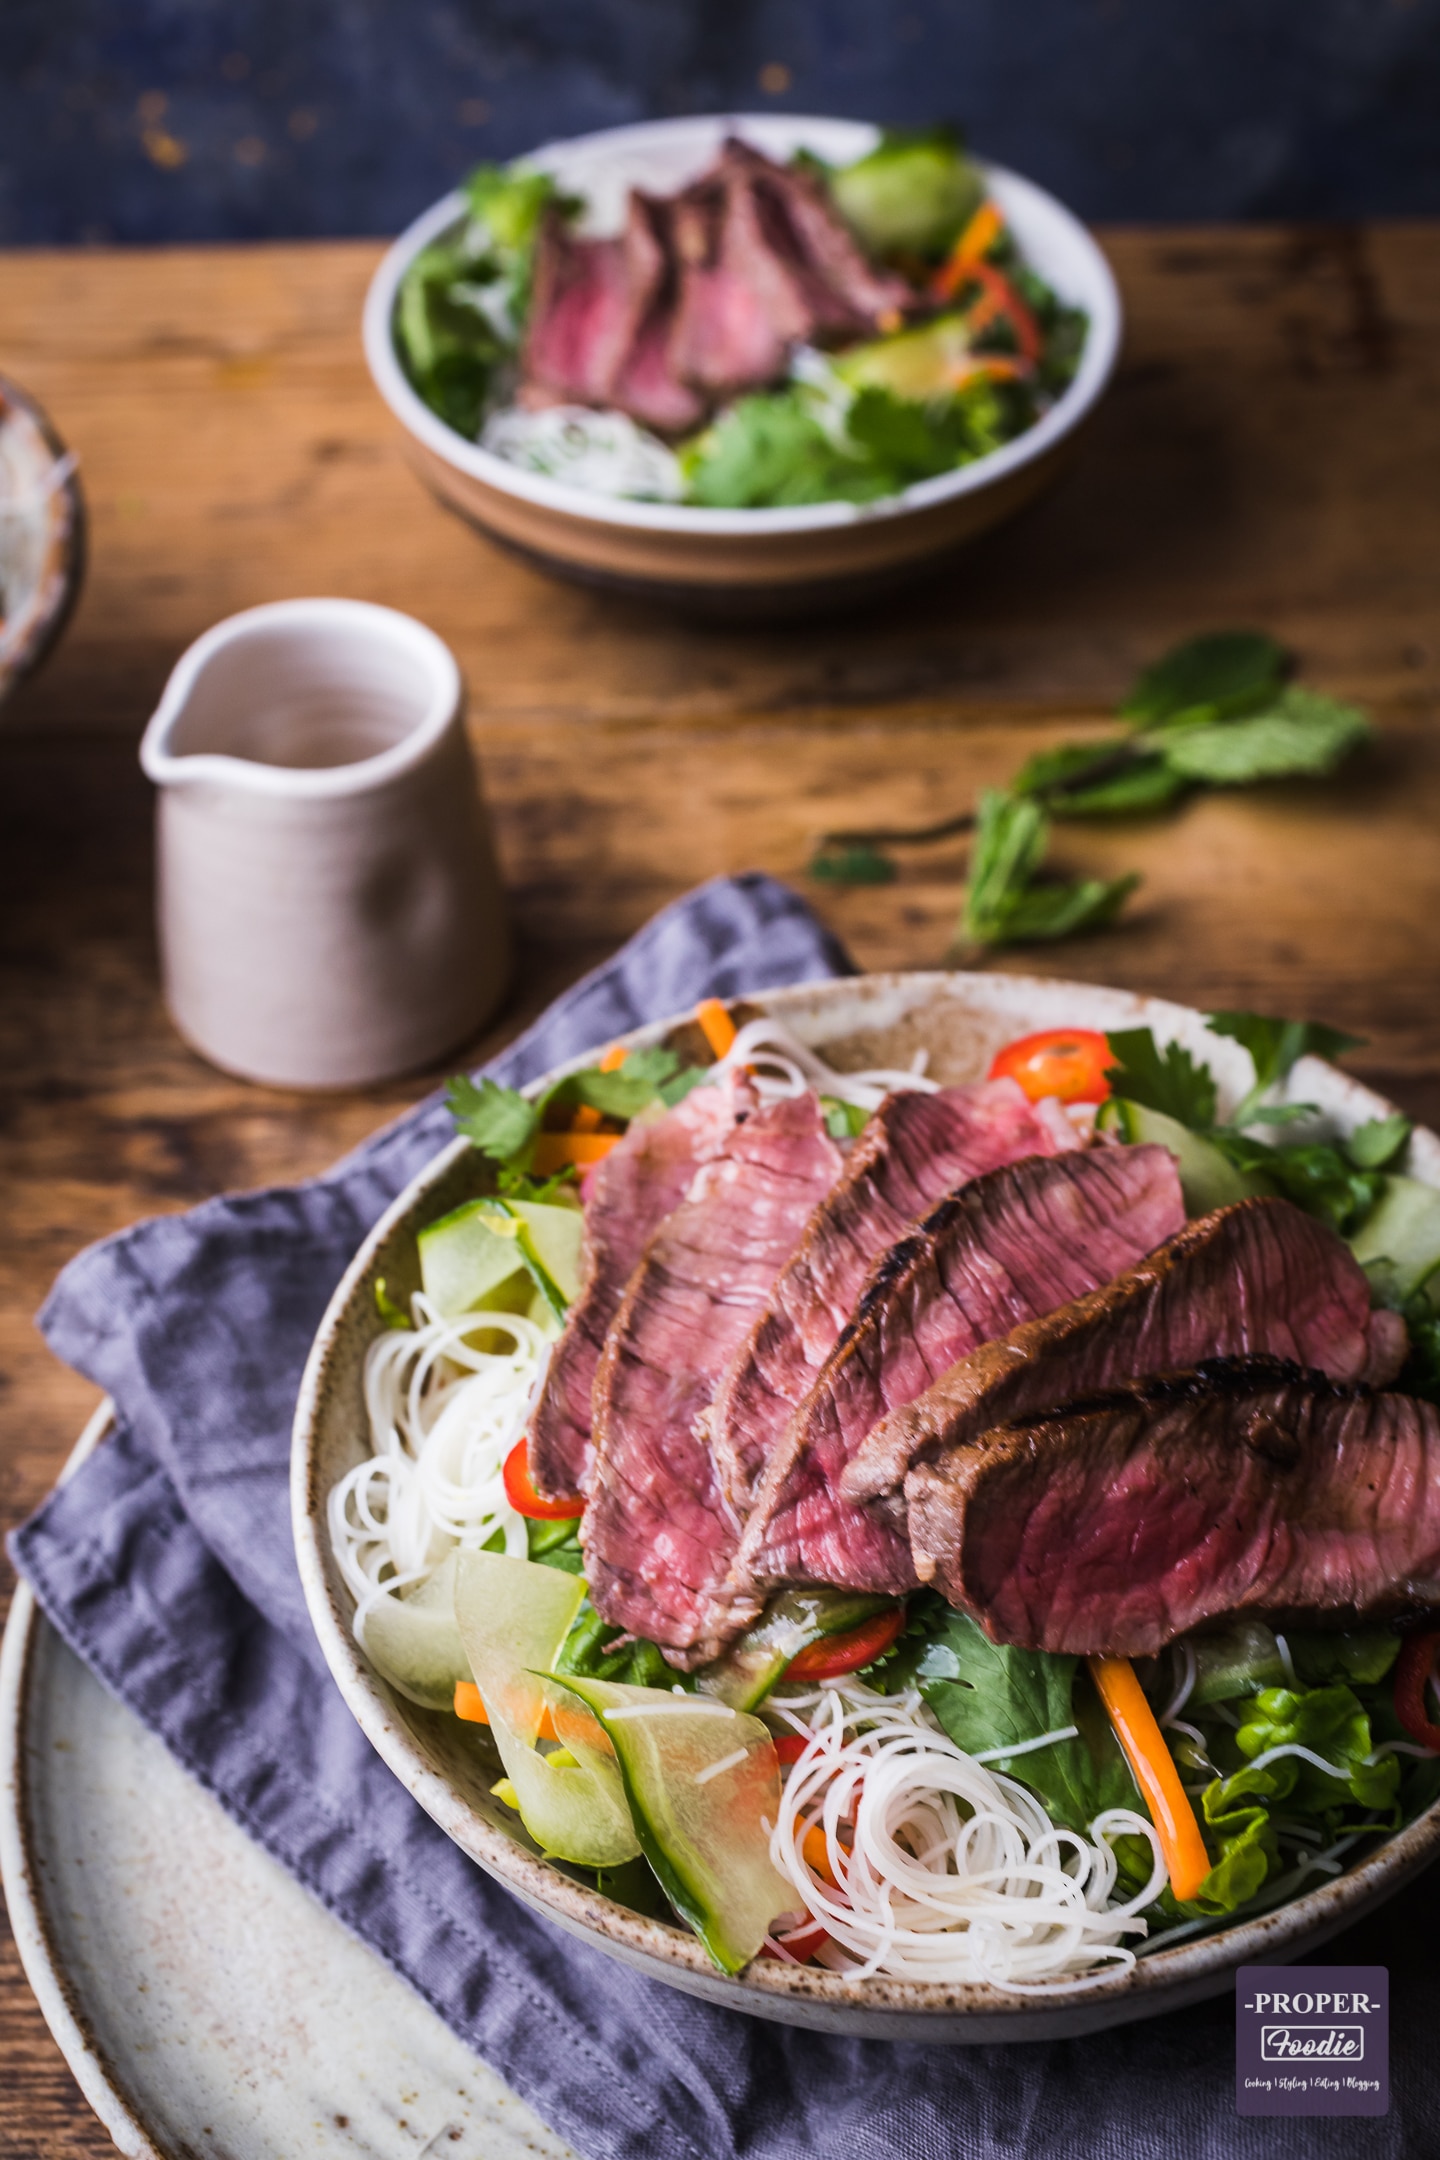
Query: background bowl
[[42, 536], [748, 562], [449, 1767]]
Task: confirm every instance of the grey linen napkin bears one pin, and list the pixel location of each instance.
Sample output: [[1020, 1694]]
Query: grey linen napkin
[[166, 1564]]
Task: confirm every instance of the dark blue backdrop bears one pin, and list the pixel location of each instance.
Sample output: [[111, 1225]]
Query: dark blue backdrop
[[168, 119]]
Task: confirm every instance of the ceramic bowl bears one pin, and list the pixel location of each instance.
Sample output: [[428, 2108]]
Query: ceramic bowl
[[449, 1767], [42, 536], [746, 561]]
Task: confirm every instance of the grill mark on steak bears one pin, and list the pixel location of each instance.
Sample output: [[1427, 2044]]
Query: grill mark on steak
[[657, 1533], [1259, 1276], [643, 1179], [1246, 1486], [1006, 1247], [914, 1149]]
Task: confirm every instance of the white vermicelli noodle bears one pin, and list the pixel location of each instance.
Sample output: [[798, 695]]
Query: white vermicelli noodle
[[945, 1870], [779, 1064], [444, 1412]]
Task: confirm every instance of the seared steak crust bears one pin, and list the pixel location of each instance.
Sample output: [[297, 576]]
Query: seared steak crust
[[1005, 1248], [1259, 1276], [915, 1148], [657, 1532], [642, 1180], [1246, 1486]]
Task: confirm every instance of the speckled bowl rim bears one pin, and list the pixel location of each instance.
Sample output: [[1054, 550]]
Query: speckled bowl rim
[[880, 2007], [779, 133], [54, 598]]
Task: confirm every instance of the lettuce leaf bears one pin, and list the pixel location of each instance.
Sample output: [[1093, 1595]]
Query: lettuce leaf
[[989, 1696]]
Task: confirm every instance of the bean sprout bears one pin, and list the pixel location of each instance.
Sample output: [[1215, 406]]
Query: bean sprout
[[444, 1411], [942, 1869]]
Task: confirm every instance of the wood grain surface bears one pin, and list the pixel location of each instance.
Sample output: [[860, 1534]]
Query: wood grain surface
[[1269, 455]]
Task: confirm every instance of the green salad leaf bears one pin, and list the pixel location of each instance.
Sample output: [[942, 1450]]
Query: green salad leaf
[[1275, 1047], [990, 1697], [594, 1650], [1208, 678]]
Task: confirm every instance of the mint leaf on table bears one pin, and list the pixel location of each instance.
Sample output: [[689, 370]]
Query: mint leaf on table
[[1004, 904], [1301, 736], [1169, 1081], [494, 1119], [1223, 672], [1060, 910]]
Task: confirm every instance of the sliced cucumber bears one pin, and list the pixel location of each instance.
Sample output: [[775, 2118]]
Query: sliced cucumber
[[1208, 1179], [1403, 1229], [704, 1790], [480, 1257], [513, 1616], [414, 1641], [788, 1625]]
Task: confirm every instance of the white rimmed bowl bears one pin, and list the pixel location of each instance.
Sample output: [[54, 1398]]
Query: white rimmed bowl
[[746, 561], [42, 536], [448, 1767]]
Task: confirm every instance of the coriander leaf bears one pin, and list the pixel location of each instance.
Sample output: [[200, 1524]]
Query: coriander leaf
[[1168, 1081], [908, 441], [674, 1091], [1374, 1146], [989, 1696], [859, 865], [772, 452], [509, 202], [1320, 1179], [1303, 735], [494, 1119], [614, 1094], [657, 1065], [1228, 671], [1275, 1046]]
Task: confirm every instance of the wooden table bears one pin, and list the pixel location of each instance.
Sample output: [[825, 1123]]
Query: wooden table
[[1270, 454]]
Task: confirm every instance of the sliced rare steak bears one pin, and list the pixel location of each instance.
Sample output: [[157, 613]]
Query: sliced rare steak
[[742, 305], [916, 1148], [1005, 1248], [587, 302], [642, 1180], [848, 294], [657, 1531], [1244, 1487], [645, 384], [1260, 1276]]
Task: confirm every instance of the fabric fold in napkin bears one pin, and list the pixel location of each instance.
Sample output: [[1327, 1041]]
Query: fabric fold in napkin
[[166, 1563]]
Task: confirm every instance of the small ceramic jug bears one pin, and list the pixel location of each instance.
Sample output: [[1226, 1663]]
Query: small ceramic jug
[[329, 907]]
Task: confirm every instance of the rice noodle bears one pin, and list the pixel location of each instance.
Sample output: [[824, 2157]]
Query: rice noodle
[[780, 1065], [444, 1412], [944, 1870]]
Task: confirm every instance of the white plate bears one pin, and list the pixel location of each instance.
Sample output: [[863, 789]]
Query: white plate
[[203, 2000]]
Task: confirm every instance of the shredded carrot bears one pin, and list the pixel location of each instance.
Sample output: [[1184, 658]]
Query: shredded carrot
[[815, 1850], [586, 1119], [468, 1704], [554, 1149], [715, 1025], [978, 237], [614, 1058], [470, 1707], [1155, 1773]]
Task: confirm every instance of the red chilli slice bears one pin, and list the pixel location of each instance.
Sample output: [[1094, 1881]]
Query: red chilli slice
[[522, 1496]]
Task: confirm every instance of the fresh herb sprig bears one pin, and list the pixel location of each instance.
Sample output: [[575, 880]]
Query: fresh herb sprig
[[1216, 711], [504, 1124]]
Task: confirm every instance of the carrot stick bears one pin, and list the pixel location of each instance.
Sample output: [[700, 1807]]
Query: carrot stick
[[554, 1149], [614, 1058], [471, 1709], [468, 1704], [715, 1025], [1144, 1746], [815, 1849], [978, 237]]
